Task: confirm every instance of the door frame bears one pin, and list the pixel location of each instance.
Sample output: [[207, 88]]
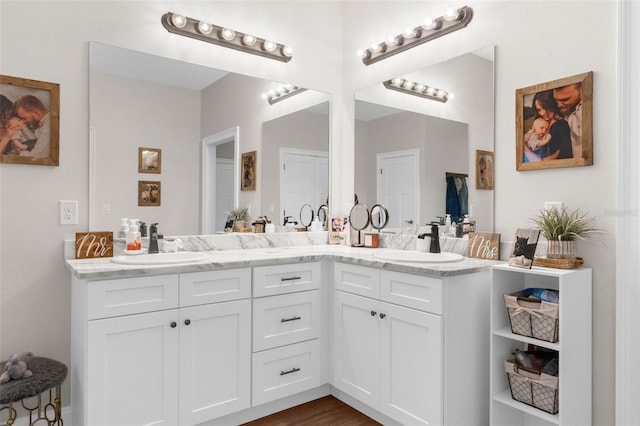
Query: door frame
[[415, 154], [208, 183]]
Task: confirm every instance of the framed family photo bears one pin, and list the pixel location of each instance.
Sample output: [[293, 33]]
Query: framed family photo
[[554, 124], [248, 173], [149, 160], [29, 121], [149, 193], [484, 169]]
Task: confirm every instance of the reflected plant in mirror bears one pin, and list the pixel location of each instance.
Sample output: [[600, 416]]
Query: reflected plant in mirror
[[405, 145]]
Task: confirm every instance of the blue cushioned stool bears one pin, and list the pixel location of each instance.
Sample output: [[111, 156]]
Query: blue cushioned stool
[[47, 378]]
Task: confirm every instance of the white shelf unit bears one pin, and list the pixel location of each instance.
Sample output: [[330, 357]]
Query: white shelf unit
[[574, 345]]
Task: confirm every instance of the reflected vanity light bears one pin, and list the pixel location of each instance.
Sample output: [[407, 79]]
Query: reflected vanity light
[[418, 89], [430, 29], [226, 37], [281, 93]]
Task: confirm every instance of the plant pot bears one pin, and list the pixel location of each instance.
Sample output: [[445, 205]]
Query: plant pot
[[238, 224], [561, 249]]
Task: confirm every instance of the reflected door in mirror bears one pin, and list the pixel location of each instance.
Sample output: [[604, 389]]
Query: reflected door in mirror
[[304, 179], [398, 186]]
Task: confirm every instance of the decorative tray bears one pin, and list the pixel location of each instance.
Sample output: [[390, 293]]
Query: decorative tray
[[558, 263]]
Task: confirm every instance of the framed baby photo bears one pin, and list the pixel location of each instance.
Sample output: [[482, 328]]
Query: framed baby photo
[[248, 173], [149, 193], [554, 124], [484, 169], [524, 247], [149, 160], [29, 121]]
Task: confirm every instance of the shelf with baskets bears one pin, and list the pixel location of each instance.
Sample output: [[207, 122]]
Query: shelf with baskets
[[573, 346]]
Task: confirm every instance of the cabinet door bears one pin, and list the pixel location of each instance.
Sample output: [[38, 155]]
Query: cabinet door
[[133, 373], [215, 360], [411, 365], [356, 358]]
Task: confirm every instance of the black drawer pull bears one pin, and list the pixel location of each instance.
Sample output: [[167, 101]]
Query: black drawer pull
[[290, 319], [290, 279], [293, 370]]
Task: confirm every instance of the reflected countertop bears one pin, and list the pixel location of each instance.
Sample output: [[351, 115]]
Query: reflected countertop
[[96, 269]]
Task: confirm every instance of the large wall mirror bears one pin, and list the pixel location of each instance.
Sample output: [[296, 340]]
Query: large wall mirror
[[406, 146], [201, 120]]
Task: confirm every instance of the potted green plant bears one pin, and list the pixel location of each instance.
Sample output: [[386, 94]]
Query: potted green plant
[[238, 215], [562, 228]]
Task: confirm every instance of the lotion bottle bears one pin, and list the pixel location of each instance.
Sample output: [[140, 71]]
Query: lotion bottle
[[133, 236]]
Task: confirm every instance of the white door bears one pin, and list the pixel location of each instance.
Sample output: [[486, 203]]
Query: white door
[[225, 173], [304, 179], [133, 373], [411, 369], [398, 186], [215, 360], [356, 337]]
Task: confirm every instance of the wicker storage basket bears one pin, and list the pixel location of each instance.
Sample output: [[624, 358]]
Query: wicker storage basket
[[531, 317], [538, 390]]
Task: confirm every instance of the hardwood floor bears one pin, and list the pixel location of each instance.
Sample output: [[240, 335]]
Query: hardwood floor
[[320, 412]]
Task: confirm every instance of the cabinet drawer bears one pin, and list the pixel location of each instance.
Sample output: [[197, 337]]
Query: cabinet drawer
[[110, 298], [285, 319], [286, 371], [413, 291], [280, 279], [198, 288], [357, 279]]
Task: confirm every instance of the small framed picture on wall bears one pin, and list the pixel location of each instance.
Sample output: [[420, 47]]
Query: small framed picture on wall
[[149, 193], [149, 160], [484, 169], [248, 174]]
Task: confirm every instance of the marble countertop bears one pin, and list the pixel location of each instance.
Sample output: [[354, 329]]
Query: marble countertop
[[93, 269]]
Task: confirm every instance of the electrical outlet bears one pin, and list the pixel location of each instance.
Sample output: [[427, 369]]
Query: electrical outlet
[[548, 205], [68, 212]]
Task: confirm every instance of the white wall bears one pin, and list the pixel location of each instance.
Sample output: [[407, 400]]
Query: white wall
[[52, 45]]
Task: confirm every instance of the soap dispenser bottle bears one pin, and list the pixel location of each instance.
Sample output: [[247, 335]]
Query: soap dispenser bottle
[[133, 236], [124, 228]]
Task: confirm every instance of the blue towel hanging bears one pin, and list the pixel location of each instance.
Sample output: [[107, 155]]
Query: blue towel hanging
[[453, 202]]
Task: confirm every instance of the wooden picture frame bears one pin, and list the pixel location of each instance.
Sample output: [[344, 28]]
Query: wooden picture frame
[[524, 247], [248, 173], [565, 106], [149, 160], [29, 121], [149, 193], [484, 169]]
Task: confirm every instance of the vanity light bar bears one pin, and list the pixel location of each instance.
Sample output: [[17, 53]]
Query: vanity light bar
[[451, 21], [418, 89], [282, 93], [226, 37]]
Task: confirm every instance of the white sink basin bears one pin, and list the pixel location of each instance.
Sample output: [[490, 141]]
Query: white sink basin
[[418, 256], [161, 258]]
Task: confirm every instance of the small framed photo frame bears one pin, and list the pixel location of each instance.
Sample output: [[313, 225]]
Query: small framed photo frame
[[29, 121], [524, 247], [149, 193], [248, 173], [149, 160], [554, 124], [484, 169]]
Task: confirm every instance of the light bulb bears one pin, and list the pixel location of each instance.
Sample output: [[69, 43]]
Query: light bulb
[[451, 96], [410, 32], [272, 93], [264, 96], [441, 93], [269, 45], [178, 20], [204, 27], [451, 15], [281, 90], [228, 34], [419, 87], [397, 81], [287, 51], [376, 48], [430, 24], [289, 87], [249, 40], [408, 84], [391, 40], [431, 90], [363, 53]]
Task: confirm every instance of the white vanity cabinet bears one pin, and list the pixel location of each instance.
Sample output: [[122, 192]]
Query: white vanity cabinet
[[574, 346], [412, 347], [165, 350], [287, 354]]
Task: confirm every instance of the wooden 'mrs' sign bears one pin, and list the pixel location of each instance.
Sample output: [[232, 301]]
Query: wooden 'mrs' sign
[[90, 245], [484, 245]]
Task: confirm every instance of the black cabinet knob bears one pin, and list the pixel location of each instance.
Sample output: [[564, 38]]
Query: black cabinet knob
[[373, 313], [174, 324], [187, 322], [382, 315]]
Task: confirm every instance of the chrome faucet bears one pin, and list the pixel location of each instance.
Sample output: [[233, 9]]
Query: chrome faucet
[[153, 238]]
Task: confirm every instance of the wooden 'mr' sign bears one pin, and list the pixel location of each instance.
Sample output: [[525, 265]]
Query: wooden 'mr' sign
[[91, 245], [484, 245]]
